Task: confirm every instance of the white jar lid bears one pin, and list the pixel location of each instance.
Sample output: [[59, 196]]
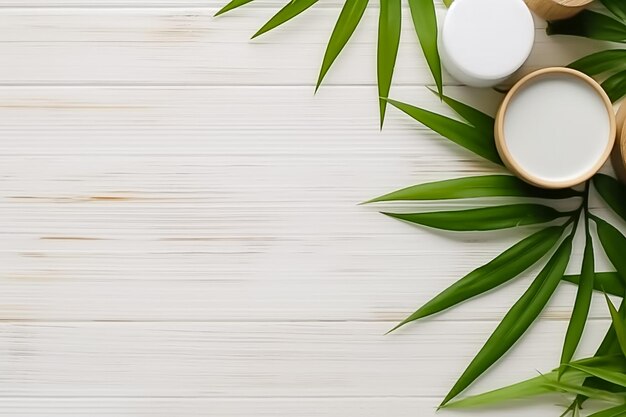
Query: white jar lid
[[483, 42], [555, 128]]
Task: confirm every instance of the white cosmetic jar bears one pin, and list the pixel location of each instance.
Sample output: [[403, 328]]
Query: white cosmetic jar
[[555, 128], [483, 42]]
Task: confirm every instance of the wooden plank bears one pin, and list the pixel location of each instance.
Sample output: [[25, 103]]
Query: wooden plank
[[219, 204], [190, 47], [260, 360]]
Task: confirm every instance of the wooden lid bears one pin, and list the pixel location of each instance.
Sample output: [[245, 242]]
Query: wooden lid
[[618, 157], [557, 9], [503, 148]]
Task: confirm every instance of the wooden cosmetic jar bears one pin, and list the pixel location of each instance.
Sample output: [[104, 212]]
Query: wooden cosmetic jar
[[555, 128]]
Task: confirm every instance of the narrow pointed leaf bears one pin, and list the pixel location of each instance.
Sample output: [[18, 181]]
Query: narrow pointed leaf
[[448, 3], [291, 10], [615, 86], [460, 133], [481, 219], [600, 62], [425, 23], [483, 122], [594, 393], [534, 386], [508, 265], [617, 7], [582, 303], [519, 318], [619, 411], [614, 244], [389, 24], [609, 282], [590, 25], [618, 325], [232, 5], [525, 389], [474, 187], [348, 20], [613, 192], [617, 378]]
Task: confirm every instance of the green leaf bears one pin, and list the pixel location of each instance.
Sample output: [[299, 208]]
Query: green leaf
[[600, 62], [425, 23], [614, 244], [525, 389], [231, 6], [474, 187], [506, 266], [582, 303], [602, 281], [617, 378], [618, 325], [476, 118], [619, 411], [615, 86], [389, 24], [617, 7], [590, 25], [519, 318], [448, 3], [597, 394], [613, 192], [291, 10], [348, 20], [481, 219], [460, 133], [534, 386]]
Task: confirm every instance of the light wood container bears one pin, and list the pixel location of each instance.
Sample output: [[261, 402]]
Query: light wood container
[[557, 9], [618, 156], [555, 128]]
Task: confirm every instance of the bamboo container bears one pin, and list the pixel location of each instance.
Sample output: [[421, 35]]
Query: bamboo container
[[555, 128], [618, 157], [557, 9]]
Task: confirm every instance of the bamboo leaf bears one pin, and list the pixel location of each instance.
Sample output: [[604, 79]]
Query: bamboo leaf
[[617, 7], [613, 192], [483, 122], [525, 389], [389, 24], [500, 270], [617, 378], [600, 62], [619, 411], [348, 20], [425, 23], [481, 219], [618, 325], [474, 187], [603, 281], [582, 303], [460, 133], [615, 86], [597, 394], [291, 10], [614, 244], [519, 318], [590, 25], [537, 385], [231, 6]]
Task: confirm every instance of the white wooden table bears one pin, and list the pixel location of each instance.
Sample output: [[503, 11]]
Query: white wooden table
[[179, 228]]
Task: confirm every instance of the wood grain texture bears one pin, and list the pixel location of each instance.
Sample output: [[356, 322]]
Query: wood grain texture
[[190, 47], [179, 229]]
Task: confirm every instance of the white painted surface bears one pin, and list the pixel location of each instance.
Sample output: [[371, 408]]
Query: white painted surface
[[180, 234], [483, 42], [557, 129]]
